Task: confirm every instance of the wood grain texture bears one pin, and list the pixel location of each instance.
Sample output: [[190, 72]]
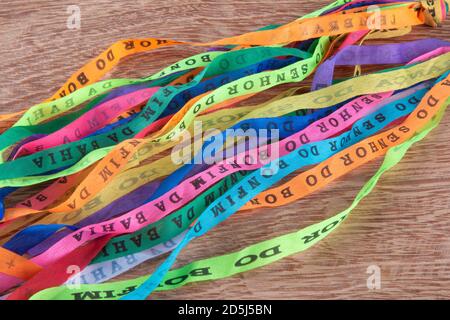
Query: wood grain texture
[[403, 226]]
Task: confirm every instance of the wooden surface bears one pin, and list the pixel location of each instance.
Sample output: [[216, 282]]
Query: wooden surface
[[403, 226]]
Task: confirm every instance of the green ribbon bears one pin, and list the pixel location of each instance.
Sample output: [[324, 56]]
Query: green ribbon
[[249, 258]]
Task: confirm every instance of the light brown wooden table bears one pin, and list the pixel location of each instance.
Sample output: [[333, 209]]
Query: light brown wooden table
[[403, 226]]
